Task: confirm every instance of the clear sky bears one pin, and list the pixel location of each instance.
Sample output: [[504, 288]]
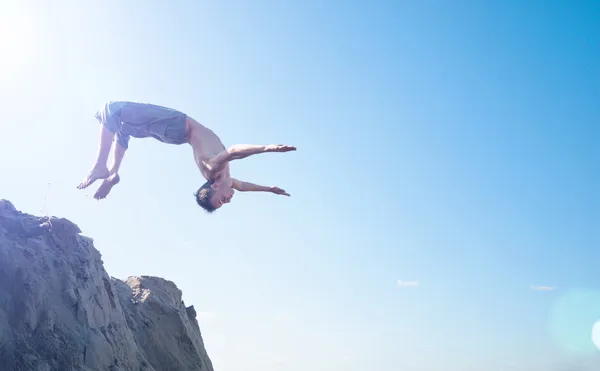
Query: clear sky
[[445, 191]]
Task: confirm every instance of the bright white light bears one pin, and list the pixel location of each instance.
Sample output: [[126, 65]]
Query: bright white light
[[16, 42], [596, 334]]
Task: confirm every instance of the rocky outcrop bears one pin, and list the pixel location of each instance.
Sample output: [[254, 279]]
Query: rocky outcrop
[[60, 310]]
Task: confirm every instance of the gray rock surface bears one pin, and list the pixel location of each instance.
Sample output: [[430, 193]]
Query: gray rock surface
[[60, 310]]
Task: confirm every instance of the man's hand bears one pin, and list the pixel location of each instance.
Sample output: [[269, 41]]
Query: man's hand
[[278, 191], [279, 148]]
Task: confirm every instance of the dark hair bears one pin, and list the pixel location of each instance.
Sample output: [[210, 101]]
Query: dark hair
[[203, 196]]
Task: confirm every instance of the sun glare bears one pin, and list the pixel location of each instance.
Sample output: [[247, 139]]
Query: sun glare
[[16, 36]]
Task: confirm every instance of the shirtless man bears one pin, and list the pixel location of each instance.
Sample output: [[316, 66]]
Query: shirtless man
[[122, 120]]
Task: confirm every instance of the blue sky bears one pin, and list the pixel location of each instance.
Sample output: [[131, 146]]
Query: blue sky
[[450, 145]]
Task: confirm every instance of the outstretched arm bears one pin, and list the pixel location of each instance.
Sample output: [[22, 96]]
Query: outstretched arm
[[240, 151], [251, 187]]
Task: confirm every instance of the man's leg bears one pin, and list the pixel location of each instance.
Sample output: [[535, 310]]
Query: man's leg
[[99, 170], [118, 154], [113, 179]]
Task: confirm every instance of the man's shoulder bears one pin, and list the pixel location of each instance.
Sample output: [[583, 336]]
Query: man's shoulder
[[210, 165]]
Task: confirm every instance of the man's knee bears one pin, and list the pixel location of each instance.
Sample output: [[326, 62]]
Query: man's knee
[[122, 140], [108, 116]]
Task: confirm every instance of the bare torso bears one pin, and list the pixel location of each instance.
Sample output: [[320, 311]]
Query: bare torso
[[205, 144]]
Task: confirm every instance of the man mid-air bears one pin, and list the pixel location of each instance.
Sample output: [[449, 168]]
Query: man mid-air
[[122, 120]]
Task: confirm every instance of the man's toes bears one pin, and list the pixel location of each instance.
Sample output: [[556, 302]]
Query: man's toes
[[92, 177], [100, 193], [105, 188], [87, 182]]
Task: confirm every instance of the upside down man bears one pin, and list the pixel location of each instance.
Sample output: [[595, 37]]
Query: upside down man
[[121, 120]]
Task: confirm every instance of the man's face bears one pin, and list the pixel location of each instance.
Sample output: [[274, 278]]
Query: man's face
[[221, 196]]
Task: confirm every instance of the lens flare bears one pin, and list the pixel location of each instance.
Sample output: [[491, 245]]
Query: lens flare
[[574, 321]]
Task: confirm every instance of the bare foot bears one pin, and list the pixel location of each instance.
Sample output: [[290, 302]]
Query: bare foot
[[94, 174], [106, 186]]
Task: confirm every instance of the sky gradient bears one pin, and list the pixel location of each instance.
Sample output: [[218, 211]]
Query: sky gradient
[[445, 195]]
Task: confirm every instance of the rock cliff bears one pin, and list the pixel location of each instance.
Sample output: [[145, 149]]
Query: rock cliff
[[60, 310]]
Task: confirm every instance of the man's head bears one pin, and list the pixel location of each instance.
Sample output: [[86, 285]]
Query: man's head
[[212, 195]]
